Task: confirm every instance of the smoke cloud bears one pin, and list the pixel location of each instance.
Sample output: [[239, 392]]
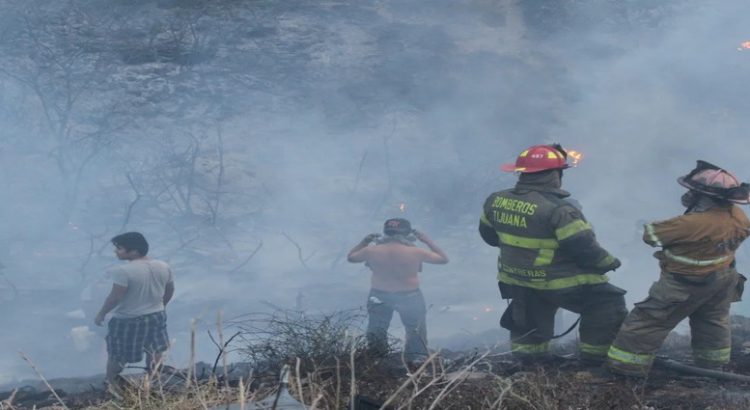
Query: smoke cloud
[[254, 143]]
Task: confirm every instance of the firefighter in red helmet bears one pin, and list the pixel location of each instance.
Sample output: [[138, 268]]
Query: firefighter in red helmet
[[698, 279], [550, 259]]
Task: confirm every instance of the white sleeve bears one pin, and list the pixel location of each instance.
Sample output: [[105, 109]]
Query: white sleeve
[[120, 277], [170, 277]]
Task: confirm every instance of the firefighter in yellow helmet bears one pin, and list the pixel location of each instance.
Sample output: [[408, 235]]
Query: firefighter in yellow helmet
[[698, 279], [550, 259]]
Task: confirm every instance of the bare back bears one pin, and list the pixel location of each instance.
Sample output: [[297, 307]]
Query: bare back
[[395, 267]]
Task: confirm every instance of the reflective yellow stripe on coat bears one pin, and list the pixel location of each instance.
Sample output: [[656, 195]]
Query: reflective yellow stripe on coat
[[606, 261], [652, 234], [696, 262], [546, 246], [571, 229], [554, 284], [527, 242]]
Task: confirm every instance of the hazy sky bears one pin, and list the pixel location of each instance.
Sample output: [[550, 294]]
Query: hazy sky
[[330, 117]]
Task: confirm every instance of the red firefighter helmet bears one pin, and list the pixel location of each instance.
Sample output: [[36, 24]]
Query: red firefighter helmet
[[711, 180], [539, 158]]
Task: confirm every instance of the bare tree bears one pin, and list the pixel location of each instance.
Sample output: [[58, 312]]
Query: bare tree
[[47, 49]]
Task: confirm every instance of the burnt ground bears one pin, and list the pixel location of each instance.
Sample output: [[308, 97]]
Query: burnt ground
[[562, 384], [565, 384], [459, 380]]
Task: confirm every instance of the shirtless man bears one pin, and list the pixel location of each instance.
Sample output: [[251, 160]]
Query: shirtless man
[[395, 263]]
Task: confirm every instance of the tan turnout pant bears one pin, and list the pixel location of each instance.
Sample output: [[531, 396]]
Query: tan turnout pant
[[670, 300]]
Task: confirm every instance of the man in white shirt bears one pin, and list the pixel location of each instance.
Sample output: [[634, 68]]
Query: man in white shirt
[[141, 290]]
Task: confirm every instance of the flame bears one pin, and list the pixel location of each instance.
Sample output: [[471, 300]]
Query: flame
[[487, 309], [575, 156], [744, 46], [402, 207]]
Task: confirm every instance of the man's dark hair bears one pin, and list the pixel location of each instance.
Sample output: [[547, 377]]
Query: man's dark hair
[[131, 241], [397, 226]]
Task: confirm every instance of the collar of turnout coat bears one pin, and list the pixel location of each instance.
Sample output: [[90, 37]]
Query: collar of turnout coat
[[542, 181]]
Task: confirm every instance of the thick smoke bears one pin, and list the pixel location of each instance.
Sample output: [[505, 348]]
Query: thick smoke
[[226, 129]]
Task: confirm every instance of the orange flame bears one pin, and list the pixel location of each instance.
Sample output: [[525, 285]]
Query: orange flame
[[744, 46], [402, 207], [576, 157]]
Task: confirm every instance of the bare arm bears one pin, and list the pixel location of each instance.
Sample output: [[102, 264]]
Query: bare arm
[[435, 255], [115, 297], [168, 293], [358, 253]]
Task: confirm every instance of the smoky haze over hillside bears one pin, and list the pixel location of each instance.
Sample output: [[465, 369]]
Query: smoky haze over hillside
[[255, 142]]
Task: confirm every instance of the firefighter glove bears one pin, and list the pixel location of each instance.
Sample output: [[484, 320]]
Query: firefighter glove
[[610, 263]]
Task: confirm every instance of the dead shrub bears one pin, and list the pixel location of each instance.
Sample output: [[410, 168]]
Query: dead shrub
[[270, 340]]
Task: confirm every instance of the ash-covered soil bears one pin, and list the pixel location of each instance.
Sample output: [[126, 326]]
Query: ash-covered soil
[[453, 380]]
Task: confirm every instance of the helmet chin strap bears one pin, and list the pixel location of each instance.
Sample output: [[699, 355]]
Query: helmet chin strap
[[690, 200], [698, 202]]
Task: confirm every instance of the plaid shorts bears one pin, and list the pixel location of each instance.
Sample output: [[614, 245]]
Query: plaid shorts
[[127, 339]]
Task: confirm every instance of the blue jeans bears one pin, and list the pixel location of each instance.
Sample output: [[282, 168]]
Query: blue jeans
[[411, 308]]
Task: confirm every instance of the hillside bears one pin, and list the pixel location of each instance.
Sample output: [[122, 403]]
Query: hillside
[[255, 142]]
